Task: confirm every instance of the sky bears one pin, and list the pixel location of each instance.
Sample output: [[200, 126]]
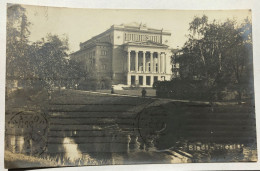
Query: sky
[[82, 24]]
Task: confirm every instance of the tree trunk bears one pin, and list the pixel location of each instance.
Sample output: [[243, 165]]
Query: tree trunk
[[239, 97]]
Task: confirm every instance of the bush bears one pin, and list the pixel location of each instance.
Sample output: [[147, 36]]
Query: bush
[[105, 83], [182, 89], [91, 84], [155, 84]]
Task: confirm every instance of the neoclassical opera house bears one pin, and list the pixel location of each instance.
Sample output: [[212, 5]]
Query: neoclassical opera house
[[131, 54]]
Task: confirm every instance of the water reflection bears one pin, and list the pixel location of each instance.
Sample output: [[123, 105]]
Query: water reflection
[[71, 149]]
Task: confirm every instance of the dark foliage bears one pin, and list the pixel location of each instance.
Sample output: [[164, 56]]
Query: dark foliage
[[220, 55]]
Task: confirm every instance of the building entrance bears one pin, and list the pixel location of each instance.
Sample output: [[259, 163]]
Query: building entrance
[[148, 80], [155, 78], [132, 80], [140, 80]]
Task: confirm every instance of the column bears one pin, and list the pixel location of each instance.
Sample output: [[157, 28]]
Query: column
[[144, 80], [152, 80], [136, 61], [165, 62], [159, 62], [151, 61], [128, 60], [159, 78], [128, 79], [144, 54], [136, 79]]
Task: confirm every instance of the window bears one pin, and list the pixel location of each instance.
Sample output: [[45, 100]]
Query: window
[[156, 67], [155, 78], [92, 61], [104, 67], [104, 52], [149, 66]]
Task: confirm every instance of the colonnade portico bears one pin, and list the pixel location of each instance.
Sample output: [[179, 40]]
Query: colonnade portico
[[156, 63], [146, 66]]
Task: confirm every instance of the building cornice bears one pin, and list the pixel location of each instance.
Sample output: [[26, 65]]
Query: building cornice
[[135, 29], [129, 29], [146, 44], [94, 44], [97, 36]]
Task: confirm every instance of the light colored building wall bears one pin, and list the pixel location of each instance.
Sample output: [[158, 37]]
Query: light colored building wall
[[97, 58], [130, 36], [145, 40], [166, 39], [118, 37]]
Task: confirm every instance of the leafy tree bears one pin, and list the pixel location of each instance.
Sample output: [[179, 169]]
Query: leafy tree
[[43, 63], [17, 47], [239, 61], [219, 54], [50, 61], [75, 73]]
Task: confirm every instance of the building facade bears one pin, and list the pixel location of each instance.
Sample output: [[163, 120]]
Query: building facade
[[131, 54]]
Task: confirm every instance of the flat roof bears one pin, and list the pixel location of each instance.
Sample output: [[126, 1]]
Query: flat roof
[[134, 27]]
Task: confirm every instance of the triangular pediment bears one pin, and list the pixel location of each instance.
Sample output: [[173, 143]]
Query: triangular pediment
[[147, 43]]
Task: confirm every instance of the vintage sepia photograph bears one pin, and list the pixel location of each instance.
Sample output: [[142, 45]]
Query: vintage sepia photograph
[[128, 86]]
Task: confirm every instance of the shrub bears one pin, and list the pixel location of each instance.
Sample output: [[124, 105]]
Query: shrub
[[90, 84], [105, 83], [182, 89]]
